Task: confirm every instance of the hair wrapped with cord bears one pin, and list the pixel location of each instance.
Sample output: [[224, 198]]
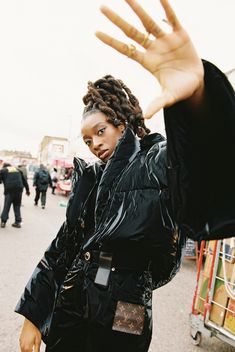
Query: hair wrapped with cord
[[113, 98]]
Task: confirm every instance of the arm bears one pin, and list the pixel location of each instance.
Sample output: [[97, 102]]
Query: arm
[[35, 176], [170, 57], [50, 180], [37, 302], [199, 108], [200, 157], [25, 183], [39, 297]]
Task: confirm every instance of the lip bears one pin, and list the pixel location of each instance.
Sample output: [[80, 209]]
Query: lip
[[103, 154]]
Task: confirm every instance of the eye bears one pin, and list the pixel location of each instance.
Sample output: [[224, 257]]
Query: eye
[[101, 131], [87, 142]]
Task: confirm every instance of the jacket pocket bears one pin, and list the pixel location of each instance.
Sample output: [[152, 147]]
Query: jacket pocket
[[131, 287]]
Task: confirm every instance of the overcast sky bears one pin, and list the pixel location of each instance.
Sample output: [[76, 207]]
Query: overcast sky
[[49, 52]]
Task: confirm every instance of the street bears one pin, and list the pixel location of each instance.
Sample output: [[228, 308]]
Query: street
[[21, 249]]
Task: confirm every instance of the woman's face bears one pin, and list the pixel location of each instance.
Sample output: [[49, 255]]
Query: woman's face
[[100, 135]]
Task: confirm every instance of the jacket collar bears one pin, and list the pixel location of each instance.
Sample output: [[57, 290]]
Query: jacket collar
[[124, 153], [86, 176], [127, 146], [84, 180], [126, 150]]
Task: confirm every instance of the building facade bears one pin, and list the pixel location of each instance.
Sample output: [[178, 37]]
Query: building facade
[[52, 149]]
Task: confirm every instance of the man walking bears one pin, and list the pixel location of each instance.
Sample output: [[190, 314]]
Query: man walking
[[41, 181], [14, 182], [23, 167]]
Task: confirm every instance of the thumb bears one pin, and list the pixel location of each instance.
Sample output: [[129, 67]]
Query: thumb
[[37, 345], [157, 104]]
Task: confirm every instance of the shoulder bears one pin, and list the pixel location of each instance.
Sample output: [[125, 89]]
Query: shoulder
[[153, 144], [155, 158], [20, 170], [81, 166], [152, 140]]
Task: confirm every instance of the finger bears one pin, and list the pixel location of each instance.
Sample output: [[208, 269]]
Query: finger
[[157, 104], [171, 16], [126, 27], [37, 346], [148, 22], [153, 108], [127, 50]]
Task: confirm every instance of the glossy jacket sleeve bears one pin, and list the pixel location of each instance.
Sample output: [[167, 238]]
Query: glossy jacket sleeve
[[39, 297], [37, 301], [200, 161]]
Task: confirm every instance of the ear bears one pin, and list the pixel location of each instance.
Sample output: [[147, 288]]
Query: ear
[[122, 128]]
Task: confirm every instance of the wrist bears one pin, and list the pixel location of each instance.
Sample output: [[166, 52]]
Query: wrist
[[198, 96]]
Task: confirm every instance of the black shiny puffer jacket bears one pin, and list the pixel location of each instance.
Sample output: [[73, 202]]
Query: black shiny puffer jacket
[[13, 179], [132, 220], [148, 200]]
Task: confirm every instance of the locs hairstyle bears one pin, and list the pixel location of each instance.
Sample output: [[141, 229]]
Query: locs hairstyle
[[116, 101]]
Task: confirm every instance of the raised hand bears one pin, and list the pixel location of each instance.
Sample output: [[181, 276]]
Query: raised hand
[[170, 57]]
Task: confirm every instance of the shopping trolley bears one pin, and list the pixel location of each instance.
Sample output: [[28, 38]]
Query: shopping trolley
[[213, 306]]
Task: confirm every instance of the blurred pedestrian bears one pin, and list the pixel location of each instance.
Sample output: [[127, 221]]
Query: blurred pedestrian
[[14, 182], [54, 179], [41, 181], [23, 167], [68, 173]]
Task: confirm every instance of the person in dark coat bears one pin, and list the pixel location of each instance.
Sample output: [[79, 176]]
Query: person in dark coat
[[23, 167], [129, 213], [14, 182], [41, 181]]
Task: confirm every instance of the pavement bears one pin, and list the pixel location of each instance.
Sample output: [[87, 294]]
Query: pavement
[[21, 249]]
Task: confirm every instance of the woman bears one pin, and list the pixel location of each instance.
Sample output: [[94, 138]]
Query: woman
[[128, 214]]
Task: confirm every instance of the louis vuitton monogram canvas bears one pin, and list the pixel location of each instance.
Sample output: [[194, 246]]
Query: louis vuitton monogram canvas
[[129, 318]]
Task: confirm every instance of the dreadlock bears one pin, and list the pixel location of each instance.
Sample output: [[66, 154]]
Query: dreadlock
[[112, 97]]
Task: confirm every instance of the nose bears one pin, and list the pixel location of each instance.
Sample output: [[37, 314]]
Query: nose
[[97, 143]]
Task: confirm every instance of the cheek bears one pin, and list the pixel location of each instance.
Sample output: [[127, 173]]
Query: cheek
[[115, 139], [112, 138]]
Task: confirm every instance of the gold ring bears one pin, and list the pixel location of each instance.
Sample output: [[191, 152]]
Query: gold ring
[[145, 39], [131, 49]]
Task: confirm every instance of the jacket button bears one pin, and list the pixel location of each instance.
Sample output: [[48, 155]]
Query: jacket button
[[87, 256], [82, 224]]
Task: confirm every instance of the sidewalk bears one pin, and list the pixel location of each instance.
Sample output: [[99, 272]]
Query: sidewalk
[[21, 249]]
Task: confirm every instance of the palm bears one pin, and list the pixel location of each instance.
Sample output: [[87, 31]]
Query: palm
[[171, 58], [173, 61]]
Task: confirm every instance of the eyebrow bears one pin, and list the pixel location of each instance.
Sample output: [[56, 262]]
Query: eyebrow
[[93, 128]]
